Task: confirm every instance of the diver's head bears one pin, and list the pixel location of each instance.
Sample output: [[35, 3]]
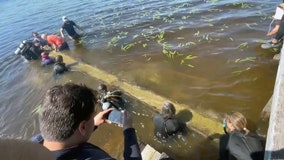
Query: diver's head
[[102, 88], [168, 110]]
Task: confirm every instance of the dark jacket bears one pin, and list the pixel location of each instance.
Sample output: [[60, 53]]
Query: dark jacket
[[165, 128], [241, 147], [88, 151], [59, 68]]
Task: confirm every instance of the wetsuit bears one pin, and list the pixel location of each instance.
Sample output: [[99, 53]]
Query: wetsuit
[[237, 145], [88, 151], [165, 128], [59, 68], [31, 51], [68, 26]]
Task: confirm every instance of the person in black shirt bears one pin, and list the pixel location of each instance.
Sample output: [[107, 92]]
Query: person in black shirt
[[240, 143], [67, 119], [68, 26], [59, 66]]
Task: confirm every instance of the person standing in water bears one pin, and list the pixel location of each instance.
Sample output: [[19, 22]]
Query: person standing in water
[[56, 42], [68, 26]]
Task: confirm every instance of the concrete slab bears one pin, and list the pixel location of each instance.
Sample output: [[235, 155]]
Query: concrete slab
[[199, 123]]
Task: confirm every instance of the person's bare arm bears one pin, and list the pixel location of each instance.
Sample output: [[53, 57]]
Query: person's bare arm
[[61, 32], [274, 30]]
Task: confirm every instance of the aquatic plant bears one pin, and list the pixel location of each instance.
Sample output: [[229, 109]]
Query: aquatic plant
[[242, 5], [135, 36], [241, 71], [37, 109], [148, 58], [196, 33], [251, 59], [243, 45], [190, 43], [128, 46], [160, 36], [206, 37], [249, 25], [181, 27], [212, 1], [187, 58]]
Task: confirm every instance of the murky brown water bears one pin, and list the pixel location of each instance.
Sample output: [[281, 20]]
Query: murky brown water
[[205, 54]]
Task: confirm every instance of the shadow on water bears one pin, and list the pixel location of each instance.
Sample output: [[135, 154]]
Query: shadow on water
[[184, 115]]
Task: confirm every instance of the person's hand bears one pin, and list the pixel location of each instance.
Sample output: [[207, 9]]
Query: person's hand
[[101, 117], [126, 120]]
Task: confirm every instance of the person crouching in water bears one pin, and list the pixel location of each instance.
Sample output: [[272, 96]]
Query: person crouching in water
[[241, 144], [45, 59], [59, 66], [57, 43], [166, 124]]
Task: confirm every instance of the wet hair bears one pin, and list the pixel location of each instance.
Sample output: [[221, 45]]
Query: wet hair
[[102, 88], [238, 121], [168, 110], [59, 59], [64, 108]]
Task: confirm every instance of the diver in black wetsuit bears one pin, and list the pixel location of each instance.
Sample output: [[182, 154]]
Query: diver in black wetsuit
[[166, 124], [240, 144], [59, 66]]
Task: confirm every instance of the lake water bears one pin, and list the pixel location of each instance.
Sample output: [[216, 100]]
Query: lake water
[[202, 53]]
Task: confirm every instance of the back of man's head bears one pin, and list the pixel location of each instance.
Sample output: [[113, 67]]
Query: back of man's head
[[63, 108]]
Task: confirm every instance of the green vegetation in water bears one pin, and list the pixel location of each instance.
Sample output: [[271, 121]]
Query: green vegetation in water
[[37, 109], [242, 5], [241, 71], [243, 45], [189, 57], [128, 46], [212, 1], [251, 59], [148, 58], [154, 34]]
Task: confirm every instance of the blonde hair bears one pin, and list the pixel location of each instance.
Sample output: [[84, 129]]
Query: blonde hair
[[238, 121]]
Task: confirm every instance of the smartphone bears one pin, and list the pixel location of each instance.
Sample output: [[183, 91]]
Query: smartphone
[[115, 116]]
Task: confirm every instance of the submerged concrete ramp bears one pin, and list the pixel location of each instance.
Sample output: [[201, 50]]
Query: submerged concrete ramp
[[199, 123]]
